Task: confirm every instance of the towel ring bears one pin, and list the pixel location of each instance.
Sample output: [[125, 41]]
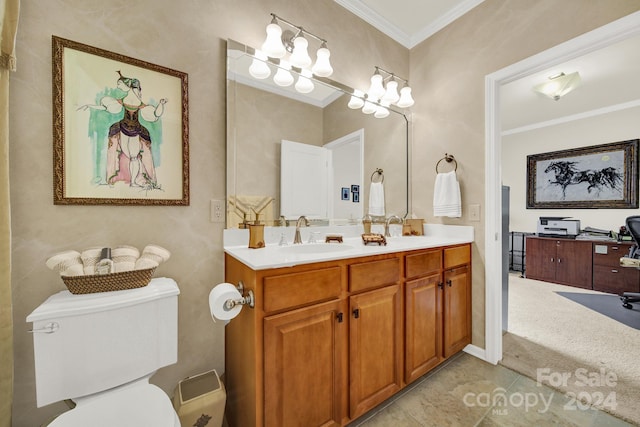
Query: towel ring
[[448, 158], [378, 172]]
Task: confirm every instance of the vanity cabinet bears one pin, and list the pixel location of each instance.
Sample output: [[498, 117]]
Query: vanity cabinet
[[375, 334], [563, 261], [437, 307], [328, 341]]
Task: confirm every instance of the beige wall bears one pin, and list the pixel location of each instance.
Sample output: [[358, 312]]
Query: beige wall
[[447, 74], [188, 36]]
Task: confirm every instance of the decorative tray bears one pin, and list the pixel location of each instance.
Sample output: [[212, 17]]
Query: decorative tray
[[108, 282]]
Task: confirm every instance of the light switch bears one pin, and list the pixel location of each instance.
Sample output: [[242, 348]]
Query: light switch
[[474, 212]]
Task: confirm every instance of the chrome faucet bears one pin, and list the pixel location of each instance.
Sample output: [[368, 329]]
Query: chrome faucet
[[297, 238], [388, 221], [282, 221]]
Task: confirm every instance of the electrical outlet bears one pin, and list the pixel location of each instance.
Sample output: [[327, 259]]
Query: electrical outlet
[[217, 210], [474, 212]]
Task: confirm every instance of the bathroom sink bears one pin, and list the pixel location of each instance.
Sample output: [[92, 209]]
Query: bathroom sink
[[315, 248]]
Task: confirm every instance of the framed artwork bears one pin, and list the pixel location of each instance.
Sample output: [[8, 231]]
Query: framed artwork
[[120, 129], [596, 177]]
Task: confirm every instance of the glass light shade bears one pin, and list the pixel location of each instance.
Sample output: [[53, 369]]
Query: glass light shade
[[356, 100], [259, 68], [300, 57], [381, 110], [559, 85], [369, 107], [406, 100], [391, 95], [304, 85], [376, 90], [272, 45], [283, 76], [322, 67]]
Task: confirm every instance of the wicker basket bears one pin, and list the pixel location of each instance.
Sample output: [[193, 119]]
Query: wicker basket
[[108, 282]]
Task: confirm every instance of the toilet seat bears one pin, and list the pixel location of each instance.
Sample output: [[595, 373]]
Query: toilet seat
[[134, 405]]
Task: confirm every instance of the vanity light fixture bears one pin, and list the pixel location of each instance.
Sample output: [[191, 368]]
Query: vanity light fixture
[[259, 67], [283, 76], [357, 100], [277, 44], [389, 94], [559, 85], [304, 84]]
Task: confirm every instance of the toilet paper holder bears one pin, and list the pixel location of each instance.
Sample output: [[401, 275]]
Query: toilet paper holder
[[247, 299]]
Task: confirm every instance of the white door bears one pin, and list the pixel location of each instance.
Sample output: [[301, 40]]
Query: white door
[[303, 180]]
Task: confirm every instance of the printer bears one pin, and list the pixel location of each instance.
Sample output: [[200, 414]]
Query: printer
[[558, 227]]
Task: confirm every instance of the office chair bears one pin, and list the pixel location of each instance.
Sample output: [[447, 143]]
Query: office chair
[[633, 225]]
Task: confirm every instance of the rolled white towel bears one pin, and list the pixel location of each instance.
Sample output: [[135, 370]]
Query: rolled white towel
[[156, 253], [67, 263], [145, 263], [90, 258], [124, 258]]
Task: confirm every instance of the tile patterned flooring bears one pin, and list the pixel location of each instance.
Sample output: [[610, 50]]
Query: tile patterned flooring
[[466, 391]]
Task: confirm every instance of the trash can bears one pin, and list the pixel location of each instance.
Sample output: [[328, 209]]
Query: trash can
[[200, 400]]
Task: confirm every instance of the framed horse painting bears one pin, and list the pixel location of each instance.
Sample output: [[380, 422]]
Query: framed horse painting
[[596, 177]]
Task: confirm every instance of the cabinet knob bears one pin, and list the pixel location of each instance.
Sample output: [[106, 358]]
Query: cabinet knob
[[441, 285], [449, 282], [339, 317], [614, 271], [356, 313]]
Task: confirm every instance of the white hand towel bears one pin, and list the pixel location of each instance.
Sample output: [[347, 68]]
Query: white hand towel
[[446, 196], [376, 199]]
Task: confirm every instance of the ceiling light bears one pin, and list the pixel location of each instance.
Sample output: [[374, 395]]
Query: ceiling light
[[559, 85]]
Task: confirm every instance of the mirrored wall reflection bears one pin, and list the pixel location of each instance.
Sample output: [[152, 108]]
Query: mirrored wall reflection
[[262, 114]]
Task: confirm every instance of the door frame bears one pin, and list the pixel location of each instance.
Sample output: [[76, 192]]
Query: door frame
[[621, 29]]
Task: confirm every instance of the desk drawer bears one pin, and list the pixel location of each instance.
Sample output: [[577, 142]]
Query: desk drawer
[[615, 280], [609, 253], [298, 289]]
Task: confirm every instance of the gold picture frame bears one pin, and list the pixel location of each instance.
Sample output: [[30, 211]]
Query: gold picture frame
[[113, 143]]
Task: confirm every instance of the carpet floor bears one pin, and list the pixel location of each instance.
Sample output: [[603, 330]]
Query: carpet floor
[[573, 348]]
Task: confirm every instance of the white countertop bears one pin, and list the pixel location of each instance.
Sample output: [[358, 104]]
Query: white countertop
[[275, 256]]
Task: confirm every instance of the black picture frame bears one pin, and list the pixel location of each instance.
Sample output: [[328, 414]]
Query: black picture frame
[[596, 177]]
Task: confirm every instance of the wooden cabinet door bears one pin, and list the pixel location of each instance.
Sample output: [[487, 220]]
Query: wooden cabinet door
[[302, 366], [375, 346], [457, 309], [541, 259], [423, 325], [574, 264]]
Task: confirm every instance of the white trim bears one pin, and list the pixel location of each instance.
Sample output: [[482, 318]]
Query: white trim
[[442, 22], [574, 117], [360, 9], [614, 32]]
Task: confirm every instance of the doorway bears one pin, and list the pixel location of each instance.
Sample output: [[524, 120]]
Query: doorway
[[619, 30]]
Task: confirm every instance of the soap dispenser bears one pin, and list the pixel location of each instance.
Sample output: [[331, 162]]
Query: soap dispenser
[[256, 235]]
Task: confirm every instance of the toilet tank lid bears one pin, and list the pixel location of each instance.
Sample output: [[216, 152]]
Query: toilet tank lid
[[64, 303]]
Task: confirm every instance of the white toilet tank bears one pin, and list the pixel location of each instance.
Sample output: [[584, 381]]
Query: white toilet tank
[[84, 344]]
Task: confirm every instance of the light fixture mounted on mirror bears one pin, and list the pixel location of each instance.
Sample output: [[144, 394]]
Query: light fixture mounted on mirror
[[379, 97], [559, 85]]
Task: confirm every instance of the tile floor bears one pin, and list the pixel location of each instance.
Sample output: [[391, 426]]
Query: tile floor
[[465, 391]]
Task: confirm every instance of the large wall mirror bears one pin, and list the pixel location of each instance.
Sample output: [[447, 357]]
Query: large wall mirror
[[292, 154]]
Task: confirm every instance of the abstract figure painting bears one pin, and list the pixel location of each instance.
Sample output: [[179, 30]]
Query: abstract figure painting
[[602, 176], [120, 128]]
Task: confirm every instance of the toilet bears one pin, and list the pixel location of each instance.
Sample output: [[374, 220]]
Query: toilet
[[100, 350]]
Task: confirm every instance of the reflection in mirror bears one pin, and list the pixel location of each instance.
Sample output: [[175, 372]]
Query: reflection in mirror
[[290, 154]]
